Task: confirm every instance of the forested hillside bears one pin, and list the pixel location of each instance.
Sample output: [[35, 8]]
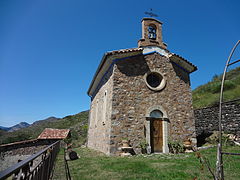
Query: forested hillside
[[208, 94], [77, 123]]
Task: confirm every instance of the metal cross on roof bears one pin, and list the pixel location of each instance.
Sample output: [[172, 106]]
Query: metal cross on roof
[[151, 14]]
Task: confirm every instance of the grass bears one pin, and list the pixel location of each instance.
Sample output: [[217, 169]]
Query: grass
[[95, 165], [208, 94], [59, 169]]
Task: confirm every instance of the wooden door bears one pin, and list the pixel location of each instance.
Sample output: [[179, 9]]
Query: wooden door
[[156, 135]]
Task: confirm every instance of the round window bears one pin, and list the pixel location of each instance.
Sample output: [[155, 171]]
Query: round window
[[155, 81]]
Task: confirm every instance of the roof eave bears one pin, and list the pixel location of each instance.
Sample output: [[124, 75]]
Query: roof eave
[[96, 73], [104, 59], [190, 70]]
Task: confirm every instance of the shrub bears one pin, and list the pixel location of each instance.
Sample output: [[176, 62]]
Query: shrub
[[214, 139], [215, 87], [175, 147], [216, 78], [229, 85], [143, 145]]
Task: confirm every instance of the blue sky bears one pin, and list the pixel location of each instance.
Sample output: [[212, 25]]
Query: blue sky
[[50, 49]]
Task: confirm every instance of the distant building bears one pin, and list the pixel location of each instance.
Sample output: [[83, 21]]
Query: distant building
[[56, 134], [141, 94]]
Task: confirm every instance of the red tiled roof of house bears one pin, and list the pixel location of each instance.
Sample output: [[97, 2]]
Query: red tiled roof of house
[[50, 133]]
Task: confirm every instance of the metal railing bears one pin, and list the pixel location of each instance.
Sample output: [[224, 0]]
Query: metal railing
[[37, 167], [219, 163]]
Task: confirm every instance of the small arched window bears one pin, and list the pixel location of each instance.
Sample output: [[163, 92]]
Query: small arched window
[[152, 32], [156, 114], [104, 108]]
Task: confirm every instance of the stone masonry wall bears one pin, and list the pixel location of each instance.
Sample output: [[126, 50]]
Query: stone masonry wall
[[132, 99], [11, 153], [100, 114], [206, 119]]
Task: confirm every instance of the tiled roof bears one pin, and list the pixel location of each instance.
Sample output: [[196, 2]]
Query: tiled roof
[[195, 67], [112, 53], [182, 62], [121, 51], [124, 51], [50, 133]]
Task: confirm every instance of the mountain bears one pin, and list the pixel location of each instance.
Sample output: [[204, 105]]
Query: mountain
[[25, 124], [18, 126], [15, 127], [77, 123], [49, 119], [208, 94], [4, 128]]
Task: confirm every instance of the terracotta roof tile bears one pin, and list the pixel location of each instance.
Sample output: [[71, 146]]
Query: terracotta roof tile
[[130, 50], [50, 133], [194, 67], [106, 55], [124, 51], [186, 60]]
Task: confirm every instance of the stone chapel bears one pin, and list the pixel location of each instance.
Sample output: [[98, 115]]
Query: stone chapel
[[141, 94]]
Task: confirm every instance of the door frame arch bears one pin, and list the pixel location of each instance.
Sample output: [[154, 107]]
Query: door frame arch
[[165, 126]]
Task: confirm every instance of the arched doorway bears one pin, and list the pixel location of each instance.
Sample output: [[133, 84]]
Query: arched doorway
[[157, 119], [156, 130]]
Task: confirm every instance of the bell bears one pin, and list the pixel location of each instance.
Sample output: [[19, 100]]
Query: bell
[[151, 36]]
